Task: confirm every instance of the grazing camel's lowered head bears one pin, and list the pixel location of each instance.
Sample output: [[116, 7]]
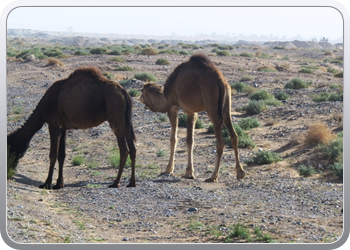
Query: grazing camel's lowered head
[[99, 100], [195, 86]]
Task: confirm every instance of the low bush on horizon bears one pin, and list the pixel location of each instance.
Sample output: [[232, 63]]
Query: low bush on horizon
[[162, 61], [124, 68]]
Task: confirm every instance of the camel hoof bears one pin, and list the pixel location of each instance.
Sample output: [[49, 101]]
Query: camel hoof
[[45, 186], [211, 180], [57, 186], [113, 185], [191, 177], [240, 175]]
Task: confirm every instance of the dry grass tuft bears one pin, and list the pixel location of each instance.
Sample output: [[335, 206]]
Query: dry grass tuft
[[53, 62], [318, 133]]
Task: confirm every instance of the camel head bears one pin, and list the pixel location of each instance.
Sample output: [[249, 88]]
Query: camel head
[[153, 98]]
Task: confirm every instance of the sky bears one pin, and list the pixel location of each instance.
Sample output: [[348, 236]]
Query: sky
[[305, 22]]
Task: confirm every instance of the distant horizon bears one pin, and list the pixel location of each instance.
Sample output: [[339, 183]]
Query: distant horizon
[[198, 37]]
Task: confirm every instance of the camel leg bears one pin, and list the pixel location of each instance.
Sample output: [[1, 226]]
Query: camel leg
[[123, 152], [61, 157], [234, 142], [172, 114], [191, 121], [132, 152], [219, 150], [55, 135]]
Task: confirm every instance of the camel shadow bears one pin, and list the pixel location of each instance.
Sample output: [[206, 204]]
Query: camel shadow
[[30, 182]]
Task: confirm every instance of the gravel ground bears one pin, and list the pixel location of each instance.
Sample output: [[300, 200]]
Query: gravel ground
[[274, 198]]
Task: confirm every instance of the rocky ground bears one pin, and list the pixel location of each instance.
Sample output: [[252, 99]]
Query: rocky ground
[[169, 209]]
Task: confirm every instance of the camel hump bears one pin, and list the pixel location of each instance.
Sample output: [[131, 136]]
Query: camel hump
[[88, 71], [202, 61]]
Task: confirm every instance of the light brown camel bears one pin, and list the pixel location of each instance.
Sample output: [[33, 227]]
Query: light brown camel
[[83, 100], [195, 86]]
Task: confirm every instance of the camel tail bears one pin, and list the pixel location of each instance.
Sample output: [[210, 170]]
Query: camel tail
[[128, 115], [18, 140], [221, 102]]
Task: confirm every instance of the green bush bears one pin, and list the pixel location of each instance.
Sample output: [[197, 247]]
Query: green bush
[[98, 50], [169, 51], [182, 122], [114, 159], [246, 78], [81, 53], [249, 123], [162, 61], [281, 96], [308, 71], [333, 151], [244, 140], [246, 54], [297, 83], [272, 102], [117, 59], [124, 68], [184, 53], [306, 171], [260, 95], [337, 169], [326, 96], [222, 53], [126, 82], [145, 77], [239, 86], [255, 107], [148, 51], [78, 160], [264, 157], [339, 75], [160, 153], [134, 93], [38, 53]]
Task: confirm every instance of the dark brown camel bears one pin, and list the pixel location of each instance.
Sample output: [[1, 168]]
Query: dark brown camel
[[195, 86], [83, 100]]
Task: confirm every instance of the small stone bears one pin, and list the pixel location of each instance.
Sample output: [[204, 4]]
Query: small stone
[[125, 239], [192, 209]]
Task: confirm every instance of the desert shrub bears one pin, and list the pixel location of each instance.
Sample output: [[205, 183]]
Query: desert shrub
[[134, 93], [264, 157], [38, 53], [246, 78], [334, 61], [246, 54], [281, 96], [210, 129], [225, 47], [182, 122], [124, 68], [306, 171], [244, 140], [327, 96], [113, 52], [249, 123], [114, 159], [147, 77], [239, 86], [126, 82], [222, 53], [260, 95], [337, 169], [148, 51], [160, 153], [81, 53], [286, 58], [266, 69], [272, 102], [279, 47], [255, 107], [331, 70], [333, 151], [297, 83], [108, 75], [339, 75], [116, 59], [161, 118], [162, 61], [98, 50], [184, 53], [308, 71], [53, 53], [78, 160], [318, 133]]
